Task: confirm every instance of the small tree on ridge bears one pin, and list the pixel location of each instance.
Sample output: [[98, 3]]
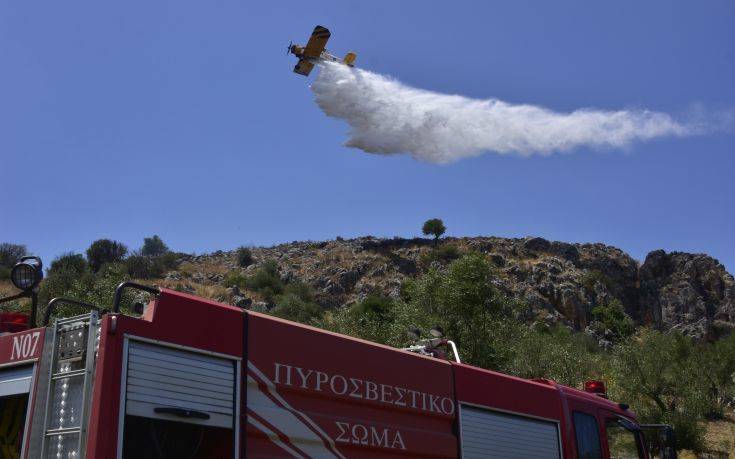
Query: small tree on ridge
[[435, 227]]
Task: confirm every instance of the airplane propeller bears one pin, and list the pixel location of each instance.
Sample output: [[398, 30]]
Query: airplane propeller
[[288, 50]]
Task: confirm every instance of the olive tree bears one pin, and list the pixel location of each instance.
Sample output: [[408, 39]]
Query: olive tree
[[105, 251], [434, 227], [153, 246]]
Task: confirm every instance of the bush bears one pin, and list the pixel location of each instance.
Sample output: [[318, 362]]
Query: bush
[[657, 374], [146, 267], [235, 279], [244, 257], [70, 261], [59, 283], [299, 289], [266, 281], [613, 317], [716, 365], [443, 254], [554, 353], [468, 307], [374, 306], [168, 260], [592, 277], [153, 246], [461, 299], [4, 273], [435, 227], [105, 251], [95, 288], [10, 254], [388, 328], [291, 307], [142, 267]]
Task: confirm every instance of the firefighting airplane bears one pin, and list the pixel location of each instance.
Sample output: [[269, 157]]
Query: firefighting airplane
[[315, 51]]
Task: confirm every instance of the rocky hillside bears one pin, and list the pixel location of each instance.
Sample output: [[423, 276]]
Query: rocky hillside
[[560, 282]]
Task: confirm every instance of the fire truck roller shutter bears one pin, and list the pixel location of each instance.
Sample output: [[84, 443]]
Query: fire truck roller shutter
[[15, 383], [491, 434], [15, 380], [173, 384]]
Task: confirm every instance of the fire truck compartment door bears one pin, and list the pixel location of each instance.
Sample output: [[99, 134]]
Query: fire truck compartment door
[[15, 380], [486, 433], [178, 385]]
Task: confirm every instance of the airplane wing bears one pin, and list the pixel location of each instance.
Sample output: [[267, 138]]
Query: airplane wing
[[303, 67], [317, 42]]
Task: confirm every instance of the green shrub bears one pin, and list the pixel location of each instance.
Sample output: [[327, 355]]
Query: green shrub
[[591, 277], [105, 251], [151, 267], [142, 267], [299, 289], [389, 328], [244, 257], [656, 373], [613, 317], [10, 254], [443, 254], [168, 260], [15, 306], [95, 288], [375, 306], [153, 246], [4, 273], [235, 279], [291, 307], [715, 363], [266, 281], [70, 261], [461, 299], [554, 353]]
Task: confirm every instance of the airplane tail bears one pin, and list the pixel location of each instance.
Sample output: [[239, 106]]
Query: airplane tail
[[350, 58]]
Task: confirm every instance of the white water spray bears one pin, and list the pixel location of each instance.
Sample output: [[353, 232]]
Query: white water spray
[[388, 117]]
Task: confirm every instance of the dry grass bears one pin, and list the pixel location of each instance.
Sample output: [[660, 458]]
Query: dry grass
[[7, 289], [173, 284], [187, 269], [212, 267], [334, 256], [719, 441], [213, 292], [720, 437]]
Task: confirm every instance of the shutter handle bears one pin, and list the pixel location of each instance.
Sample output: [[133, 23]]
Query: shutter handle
[[181, 412]]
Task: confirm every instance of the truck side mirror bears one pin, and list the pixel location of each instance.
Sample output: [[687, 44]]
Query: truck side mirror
[[669, 443], [661, 440]]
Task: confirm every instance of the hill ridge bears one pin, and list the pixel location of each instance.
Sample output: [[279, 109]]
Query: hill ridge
[[560, 282]]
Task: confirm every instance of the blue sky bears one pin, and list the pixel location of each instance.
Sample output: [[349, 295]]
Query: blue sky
[[183, 119]]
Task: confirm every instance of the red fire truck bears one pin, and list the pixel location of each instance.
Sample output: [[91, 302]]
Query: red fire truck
[[192, 378]]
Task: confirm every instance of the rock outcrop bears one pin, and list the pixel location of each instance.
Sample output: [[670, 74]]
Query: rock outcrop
[[559, 281], [690, 292]]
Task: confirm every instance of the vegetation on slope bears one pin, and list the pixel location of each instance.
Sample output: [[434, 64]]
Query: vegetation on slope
[[665, 377]]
